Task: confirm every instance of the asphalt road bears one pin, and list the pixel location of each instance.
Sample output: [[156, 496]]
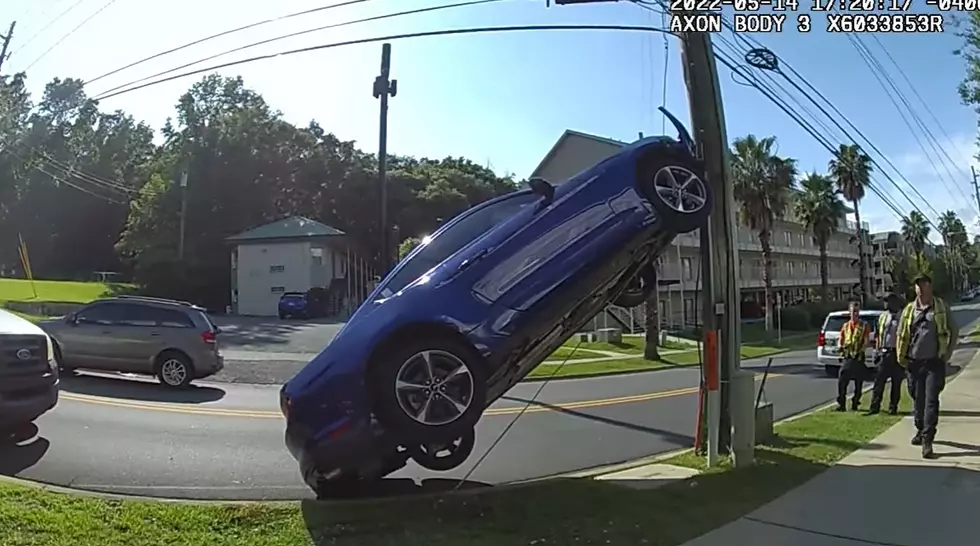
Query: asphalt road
[[224, 441]]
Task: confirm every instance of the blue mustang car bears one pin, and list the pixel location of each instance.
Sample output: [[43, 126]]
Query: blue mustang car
[[479, 304]]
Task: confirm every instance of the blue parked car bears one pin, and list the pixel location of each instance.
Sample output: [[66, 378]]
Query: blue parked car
[[479, 304], [294, 305]]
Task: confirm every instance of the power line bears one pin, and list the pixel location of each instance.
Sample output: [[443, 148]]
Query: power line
[[71, 170], [226, 33], [69, 33], [447, 32], [60, 179], [47, 26], [300, 33]]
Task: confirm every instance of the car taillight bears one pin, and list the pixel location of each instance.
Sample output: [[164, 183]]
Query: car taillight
[[821, 341], [209, 337]]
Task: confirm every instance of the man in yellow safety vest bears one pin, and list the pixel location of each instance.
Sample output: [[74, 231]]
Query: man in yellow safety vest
[[927, 336], [886, 337], [853, 340]]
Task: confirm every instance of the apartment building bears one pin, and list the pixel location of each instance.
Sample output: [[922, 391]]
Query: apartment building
[[883, 245], [796, 267]]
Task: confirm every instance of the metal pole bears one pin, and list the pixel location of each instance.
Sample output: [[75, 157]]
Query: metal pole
[[6, 43], [384, 88], [976, 188], [718, 249], [183, 213]]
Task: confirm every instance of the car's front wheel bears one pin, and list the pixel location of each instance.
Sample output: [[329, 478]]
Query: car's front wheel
[[639, 289], [674, 184], [429, 390]]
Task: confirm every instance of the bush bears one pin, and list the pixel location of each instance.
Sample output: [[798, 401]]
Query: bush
[[795, 318]]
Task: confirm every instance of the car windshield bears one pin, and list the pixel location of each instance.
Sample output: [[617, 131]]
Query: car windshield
[[468, 229], [835, 322]]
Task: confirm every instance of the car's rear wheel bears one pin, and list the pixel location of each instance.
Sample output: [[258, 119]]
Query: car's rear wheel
[[444, 456], [429, 390], [174, 369], [639, 289], [674, 184]]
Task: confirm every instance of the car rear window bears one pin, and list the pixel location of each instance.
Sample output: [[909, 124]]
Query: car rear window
[[836, 322], [294, 296]]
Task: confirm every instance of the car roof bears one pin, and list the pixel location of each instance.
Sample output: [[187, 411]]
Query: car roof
[[153, 302]]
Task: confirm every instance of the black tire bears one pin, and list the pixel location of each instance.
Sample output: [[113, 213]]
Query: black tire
[[60, 360], [832, 370], [657, 164], [167, 366], [283, 316], [408, 429], [429, 457], [639, 289]]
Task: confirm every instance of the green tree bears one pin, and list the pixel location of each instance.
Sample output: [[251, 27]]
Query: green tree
[[915, 231], [820, 209], [851, 169], [762, 182], [407, 246]]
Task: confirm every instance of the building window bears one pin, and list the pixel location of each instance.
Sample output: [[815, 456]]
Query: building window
[[688, 310], [686, 268], [277, 268], [788, 237], [277, 289], [789, 269], [803, 239]]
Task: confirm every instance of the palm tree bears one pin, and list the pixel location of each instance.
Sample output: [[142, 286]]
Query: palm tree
[[915, 231], [955, 240], [651, 320], [762, 182], [851, 169], [821, 211]]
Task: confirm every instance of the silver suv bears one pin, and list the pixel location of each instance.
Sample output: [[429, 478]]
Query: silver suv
[[173, 340], [828, 340]]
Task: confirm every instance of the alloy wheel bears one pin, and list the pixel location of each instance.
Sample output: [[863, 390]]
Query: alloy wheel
[[434, 387], [680, 189], [173, 372]]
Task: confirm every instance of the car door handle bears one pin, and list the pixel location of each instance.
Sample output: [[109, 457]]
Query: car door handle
[[155, 334], [473, 259]]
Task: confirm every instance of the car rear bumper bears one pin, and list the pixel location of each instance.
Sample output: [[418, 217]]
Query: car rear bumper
[[208, 365], [24, 400], [356, 450]]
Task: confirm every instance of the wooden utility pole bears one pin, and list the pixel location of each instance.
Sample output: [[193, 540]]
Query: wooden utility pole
[[384, 88], [6, 43]]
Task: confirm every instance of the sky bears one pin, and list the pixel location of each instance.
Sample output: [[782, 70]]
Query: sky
[[503, 99]]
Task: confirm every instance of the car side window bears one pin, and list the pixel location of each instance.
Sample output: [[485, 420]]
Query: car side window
[[137, 315], [457, 236], [148, 316], [104, 314], [171, 318]]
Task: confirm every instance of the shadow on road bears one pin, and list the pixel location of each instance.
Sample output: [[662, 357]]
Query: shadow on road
[[21, 449], [258, 331], [680, 439], [400, 487], [111, 387]]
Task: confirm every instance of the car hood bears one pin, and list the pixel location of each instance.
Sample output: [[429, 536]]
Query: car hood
[[12, 324]]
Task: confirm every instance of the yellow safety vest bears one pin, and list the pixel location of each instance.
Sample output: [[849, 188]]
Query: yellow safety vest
[[880, 336], [939, 310], [852, 340]]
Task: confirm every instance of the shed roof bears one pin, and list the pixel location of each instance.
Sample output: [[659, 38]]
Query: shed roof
[[295, 227]]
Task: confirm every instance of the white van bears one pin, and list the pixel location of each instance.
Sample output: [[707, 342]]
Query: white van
[[28, 372], [828, 339]]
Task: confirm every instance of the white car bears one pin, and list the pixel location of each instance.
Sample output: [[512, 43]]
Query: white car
[[828, 340]]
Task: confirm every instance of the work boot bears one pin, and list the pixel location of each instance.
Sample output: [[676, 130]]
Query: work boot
[[917, 439], [873, 411], [855, 406], [840, 408], [927, 452], [892, 411]]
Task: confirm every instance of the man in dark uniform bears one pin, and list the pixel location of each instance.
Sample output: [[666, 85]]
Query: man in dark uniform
[[853, 340], [886, 337], [926, 338]]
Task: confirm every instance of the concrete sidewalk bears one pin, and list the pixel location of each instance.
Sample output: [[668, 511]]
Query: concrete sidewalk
[[884, 494]]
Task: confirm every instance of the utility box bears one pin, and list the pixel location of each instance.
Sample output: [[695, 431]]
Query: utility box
[[764, 423], [609, 335], [743, 417], [585, 337]]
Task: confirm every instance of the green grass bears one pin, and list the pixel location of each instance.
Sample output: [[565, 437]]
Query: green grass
[[573, 511], [671, 360], [20, 290]]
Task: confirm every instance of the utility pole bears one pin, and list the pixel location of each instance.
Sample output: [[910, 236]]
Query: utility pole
[[735, 418], [6, 43], [384, 88], [976, 188], [183, 213], [730, 391]]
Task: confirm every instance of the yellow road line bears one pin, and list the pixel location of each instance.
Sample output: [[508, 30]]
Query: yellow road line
[[254, 414]]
